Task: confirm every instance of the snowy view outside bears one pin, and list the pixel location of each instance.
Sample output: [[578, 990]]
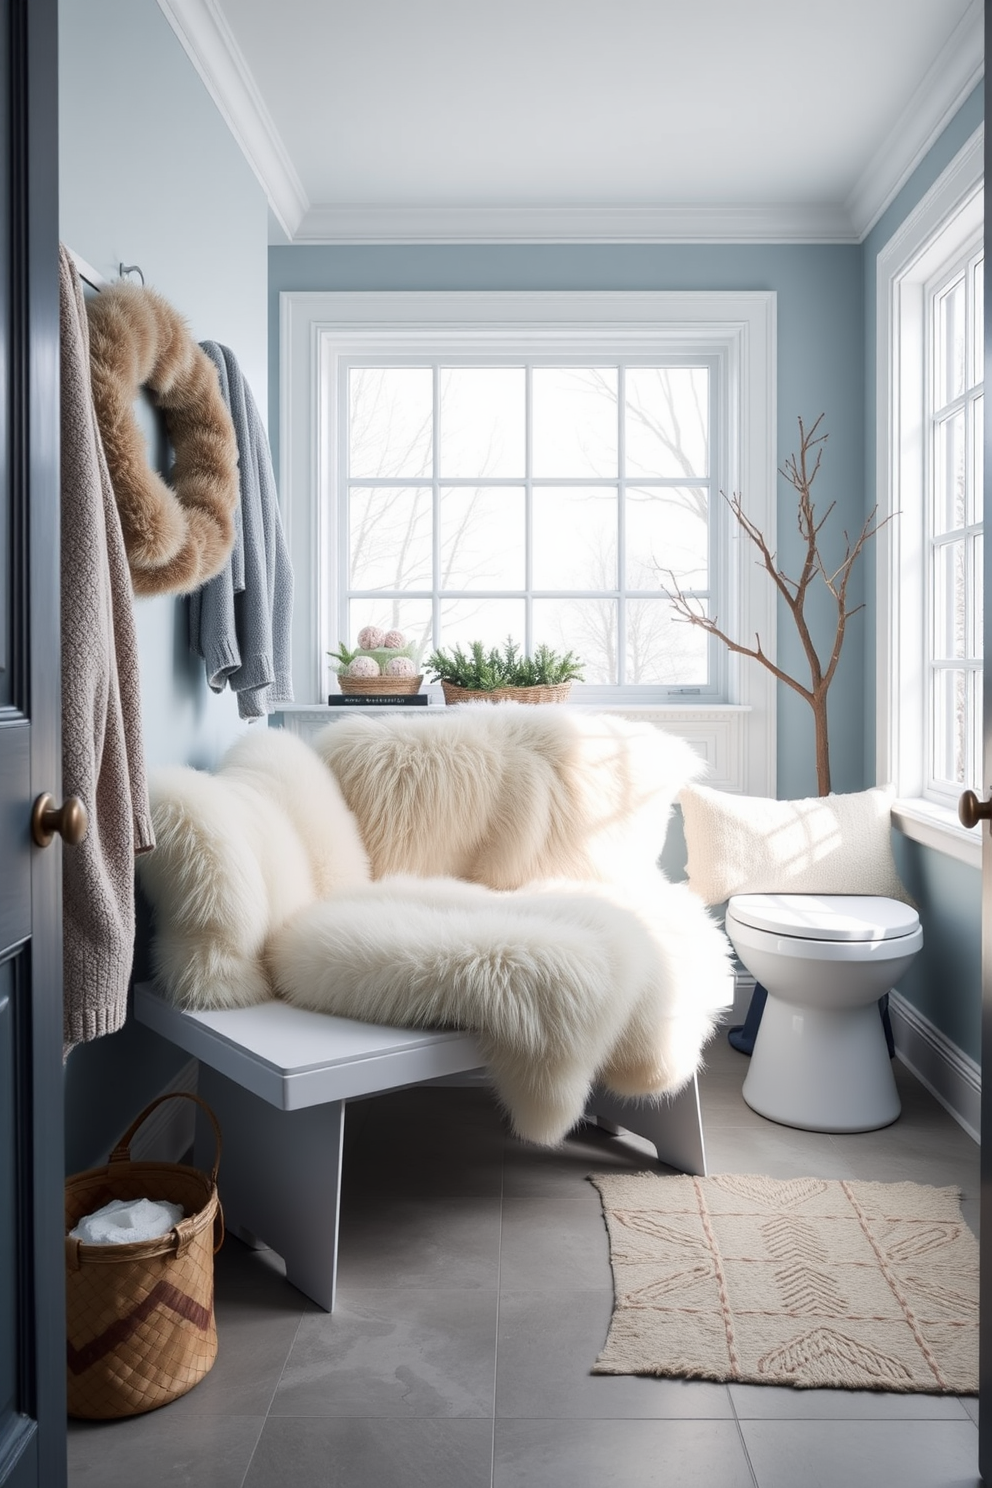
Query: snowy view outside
[[546, 503], [956, 529]]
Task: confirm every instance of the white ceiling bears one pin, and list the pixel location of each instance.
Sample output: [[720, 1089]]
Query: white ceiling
[[622, 120]]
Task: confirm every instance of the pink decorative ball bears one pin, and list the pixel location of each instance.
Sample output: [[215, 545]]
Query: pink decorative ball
[[363, 666], [400, 666], [394, 640], [370, 638]]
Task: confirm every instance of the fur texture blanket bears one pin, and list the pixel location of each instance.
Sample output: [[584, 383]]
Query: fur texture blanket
[[503, 794], [176, 535], [262, 884]]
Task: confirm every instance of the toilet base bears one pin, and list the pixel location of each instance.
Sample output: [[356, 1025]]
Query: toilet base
[[822, 1070]]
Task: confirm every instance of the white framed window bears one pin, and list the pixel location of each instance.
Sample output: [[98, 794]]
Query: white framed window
[[954, 528], [544, 500], [467, 466], [930, 605]]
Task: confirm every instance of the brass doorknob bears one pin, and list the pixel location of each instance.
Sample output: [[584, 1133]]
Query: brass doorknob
[[971, 810], [69, 820]]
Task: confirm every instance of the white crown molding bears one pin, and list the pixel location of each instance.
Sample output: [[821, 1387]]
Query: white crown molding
[[955, 71], [209, 43], [426, 224]]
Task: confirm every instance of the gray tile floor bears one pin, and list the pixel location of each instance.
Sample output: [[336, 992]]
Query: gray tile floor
[[475, 1293]]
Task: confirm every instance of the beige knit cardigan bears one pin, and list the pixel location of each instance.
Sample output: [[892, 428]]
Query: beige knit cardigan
[[102, 752]]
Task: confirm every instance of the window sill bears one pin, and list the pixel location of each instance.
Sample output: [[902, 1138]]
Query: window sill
[[937, 827], [680, 706]]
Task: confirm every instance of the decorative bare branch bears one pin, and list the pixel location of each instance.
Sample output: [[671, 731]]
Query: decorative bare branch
[[800, 471]]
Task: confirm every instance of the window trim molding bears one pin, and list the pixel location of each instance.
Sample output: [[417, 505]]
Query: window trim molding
[[902, 269], [317, 324]]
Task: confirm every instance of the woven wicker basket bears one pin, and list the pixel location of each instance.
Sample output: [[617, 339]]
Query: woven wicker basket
[[381, 686], [558, 693], [140, 1317]]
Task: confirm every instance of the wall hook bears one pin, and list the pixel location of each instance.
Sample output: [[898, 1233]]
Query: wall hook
[[126, 269]]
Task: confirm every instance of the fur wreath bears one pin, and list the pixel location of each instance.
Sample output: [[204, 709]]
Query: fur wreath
[[178, 534]]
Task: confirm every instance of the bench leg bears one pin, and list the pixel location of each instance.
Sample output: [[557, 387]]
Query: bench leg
[[674, 1126], [280, 1178]]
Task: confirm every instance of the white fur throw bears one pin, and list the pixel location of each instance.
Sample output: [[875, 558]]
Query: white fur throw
[[503, 794], [238, 852], [562, 986], [261, 883], [821, 845]]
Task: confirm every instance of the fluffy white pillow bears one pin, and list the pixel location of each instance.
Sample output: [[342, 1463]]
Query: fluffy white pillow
[[237, 854], [504, 794], [821, 845]]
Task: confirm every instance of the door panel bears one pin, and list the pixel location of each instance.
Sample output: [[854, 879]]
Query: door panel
[[15, 788], [5, 286], [32, 1285], [8, 1207], [985, 1324]]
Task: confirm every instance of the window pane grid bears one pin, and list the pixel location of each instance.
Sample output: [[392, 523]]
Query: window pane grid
[[572, 524], [954, 528]]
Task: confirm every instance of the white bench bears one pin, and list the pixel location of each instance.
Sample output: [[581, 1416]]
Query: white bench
[[279, 1078]]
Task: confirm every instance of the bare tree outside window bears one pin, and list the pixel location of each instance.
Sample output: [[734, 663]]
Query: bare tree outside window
[[800, 471]]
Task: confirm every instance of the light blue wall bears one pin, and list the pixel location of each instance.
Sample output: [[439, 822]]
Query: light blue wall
[[820, 319], [826, 363], [150, 174], [944, 982]]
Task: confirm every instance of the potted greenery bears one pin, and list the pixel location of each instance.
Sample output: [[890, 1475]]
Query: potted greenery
[[383, 664], [497, 676]]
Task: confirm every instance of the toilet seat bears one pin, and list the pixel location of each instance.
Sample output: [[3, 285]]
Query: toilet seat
[[825, 917]]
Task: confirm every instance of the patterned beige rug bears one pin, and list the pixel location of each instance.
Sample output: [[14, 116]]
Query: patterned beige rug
[[807, 1282]]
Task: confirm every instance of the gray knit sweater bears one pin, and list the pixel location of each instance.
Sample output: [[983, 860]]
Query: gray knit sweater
[[240, 621], [102, 752]]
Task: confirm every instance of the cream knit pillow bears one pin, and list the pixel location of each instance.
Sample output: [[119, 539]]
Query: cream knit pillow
[[822, 845]]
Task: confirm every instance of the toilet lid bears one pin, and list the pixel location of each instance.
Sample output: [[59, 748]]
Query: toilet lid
[[826, 916]]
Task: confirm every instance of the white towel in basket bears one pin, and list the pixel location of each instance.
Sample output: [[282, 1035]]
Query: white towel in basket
[[123, 1221]]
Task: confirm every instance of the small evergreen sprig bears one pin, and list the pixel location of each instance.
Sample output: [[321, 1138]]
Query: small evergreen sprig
[[344, 657], [483, 671]]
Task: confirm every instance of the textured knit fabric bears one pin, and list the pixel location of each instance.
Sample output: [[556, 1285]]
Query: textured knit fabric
[[212, 632], [837, 844], [102, 753], [812, 1283], [240, 621]]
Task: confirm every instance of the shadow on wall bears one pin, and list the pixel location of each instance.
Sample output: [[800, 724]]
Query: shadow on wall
[[673, 857], [112, 1078], [945, 981]]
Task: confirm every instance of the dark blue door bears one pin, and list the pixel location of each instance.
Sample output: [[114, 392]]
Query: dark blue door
[[32, 1335]]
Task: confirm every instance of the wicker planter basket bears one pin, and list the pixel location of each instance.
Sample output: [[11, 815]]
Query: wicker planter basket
[[140, 1317], [558, 693], [381, 686]]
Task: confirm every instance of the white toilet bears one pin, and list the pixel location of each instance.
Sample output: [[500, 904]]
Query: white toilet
[[820, 1059]]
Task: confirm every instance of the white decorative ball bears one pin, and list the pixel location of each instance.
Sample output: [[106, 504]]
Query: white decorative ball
[[394, 640], [400, 666], [363, 666], [370, 638]]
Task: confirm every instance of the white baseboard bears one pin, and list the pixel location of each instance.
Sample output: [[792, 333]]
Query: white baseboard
[[167, 1135], [950, 1075]]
